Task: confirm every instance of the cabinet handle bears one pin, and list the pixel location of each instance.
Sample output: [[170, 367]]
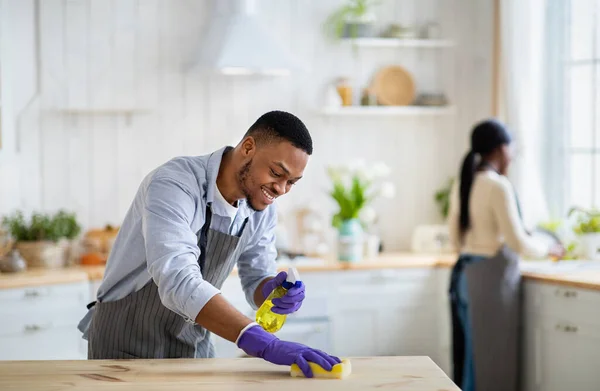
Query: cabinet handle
[[32, 293], [567, 329], [32, 328], [560, 292]]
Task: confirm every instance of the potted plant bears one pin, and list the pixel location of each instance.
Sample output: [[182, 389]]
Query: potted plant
[[44, 241], [442, 198], [354, 187], [587, 227], [352, 20]]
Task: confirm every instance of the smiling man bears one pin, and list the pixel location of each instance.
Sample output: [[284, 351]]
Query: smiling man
[[191, 221]]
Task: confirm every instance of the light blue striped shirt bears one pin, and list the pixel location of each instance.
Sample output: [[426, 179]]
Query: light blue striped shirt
[[158, 237]]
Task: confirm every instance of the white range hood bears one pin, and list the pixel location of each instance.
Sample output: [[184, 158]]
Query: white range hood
[[237, 43]]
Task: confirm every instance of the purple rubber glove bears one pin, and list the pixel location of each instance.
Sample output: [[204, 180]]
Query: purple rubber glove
[[257, 342], [291, 302]]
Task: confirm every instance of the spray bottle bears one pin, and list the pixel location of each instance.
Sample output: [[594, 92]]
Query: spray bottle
[[269, 320]]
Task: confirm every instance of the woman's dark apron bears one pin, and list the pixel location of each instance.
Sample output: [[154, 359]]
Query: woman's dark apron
[[485, 301], [140, 326]]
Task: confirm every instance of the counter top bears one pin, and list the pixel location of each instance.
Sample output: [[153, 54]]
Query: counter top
[[35, 277], [585, 280], [567, 273], [383, 261], [248, 374]]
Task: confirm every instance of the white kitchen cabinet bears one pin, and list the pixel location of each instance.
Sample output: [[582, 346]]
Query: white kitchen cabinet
[[562, 338], [314, 333], [381, 312], [444, 323], [309, 326], [570, 355], [385, 312], [44, 342], [43, 322]]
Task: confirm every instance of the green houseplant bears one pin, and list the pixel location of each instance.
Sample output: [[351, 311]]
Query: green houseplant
[[587, 228], [44, 240], [354, 188], [352, 20], [442, 198]]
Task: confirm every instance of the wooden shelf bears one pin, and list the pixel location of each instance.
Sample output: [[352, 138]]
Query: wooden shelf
[[127, 113], [388, 111], [104, 111], [400, 42]]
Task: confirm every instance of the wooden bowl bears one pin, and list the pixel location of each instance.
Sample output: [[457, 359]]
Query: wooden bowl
[[393, 86]]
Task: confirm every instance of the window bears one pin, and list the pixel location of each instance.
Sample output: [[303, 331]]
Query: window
[[581, 103]]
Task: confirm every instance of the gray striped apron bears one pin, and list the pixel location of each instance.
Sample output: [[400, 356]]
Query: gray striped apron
[[140, 326], [485, 294]]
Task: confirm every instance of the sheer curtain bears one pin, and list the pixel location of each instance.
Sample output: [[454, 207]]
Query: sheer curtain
[[522, 103]]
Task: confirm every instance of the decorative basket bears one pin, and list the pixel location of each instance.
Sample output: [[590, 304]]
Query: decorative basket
[[44, 254], [6, 243]]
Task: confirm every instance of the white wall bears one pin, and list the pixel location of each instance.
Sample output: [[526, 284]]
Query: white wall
[[132, 53], [18, 84]]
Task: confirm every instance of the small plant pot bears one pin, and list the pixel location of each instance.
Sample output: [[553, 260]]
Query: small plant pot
[[590, 246], [44, 254], [357, 30]]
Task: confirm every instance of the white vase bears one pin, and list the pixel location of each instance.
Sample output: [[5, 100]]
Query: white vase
[[350, 241], [590, 246], [332, 98]]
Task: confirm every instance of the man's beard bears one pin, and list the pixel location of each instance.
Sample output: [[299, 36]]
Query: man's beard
[[243, 177]]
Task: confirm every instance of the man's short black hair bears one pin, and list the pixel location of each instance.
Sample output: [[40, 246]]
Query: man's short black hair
[[281, 125]]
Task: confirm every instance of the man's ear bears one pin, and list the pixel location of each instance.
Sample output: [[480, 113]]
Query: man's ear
[[248, 146]]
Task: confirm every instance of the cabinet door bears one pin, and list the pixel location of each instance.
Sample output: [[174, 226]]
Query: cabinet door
[[444, 330], [226, 349], [386, 313], [43, 343], [531, 352], [570, 353], [314, 333], [355, 331]]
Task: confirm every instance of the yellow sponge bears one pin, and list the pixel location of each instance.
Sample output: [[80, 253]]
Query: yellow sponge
[[339, 371]]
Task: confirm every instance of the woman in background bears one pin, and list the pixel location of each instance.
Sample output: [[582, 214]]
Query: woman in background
[[486, 228]]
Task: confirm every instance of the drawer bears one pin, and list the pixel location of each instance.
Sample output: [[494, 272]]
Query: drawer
[[40, 308], [397, 277], [563, 302], [407, 289], [44, 295], [51, 343]]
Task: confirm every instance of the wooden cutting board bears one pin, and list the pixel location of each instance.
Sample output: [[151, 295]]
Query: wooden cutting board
[[244, 374]]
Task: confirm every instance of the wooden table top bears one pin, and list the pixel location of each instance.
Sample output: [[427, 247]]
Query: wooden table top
[[247, 374]]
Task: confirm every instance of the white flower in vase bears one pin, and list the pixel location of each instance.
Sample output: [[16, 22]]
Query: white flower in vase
[[387, 190], [368, 215], [380, 170]]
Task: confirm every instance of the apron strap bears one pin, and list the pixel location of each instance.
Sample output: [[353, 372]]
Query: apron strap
[[204, 236]]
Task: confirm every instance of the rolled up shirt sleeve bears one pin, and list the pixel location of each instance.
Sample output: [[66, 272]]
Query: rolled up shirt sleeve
[[172, 247], [257, 261]]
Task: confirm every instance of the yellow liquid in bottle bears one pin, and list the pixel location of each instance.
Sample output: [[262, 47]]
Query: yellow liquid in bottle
[[268, 320]]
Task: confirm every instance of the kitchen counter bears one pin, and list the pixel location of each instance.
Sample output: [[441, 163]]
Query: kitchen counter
[[585, 280], [35, 277], [579, 274], [248, 374]]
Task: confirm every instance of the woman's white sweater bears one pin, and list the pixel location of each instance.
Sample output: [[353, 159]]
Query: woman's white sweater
[[494, 219]]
